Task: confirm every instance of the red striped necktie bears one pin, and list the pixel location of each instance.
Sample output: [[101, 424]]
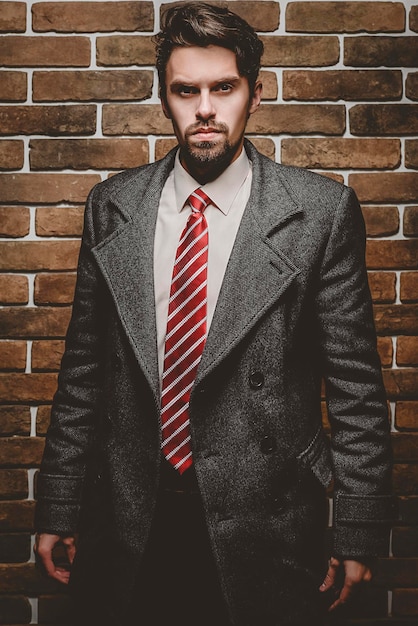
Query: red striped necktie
[[186, 333]]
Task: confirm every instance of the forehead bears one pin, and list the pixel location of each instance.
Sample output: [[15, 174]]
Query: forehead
[[194, 64]]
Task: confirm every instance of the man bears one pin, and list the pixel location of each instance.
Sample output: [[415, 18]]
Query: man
[[216, 289]]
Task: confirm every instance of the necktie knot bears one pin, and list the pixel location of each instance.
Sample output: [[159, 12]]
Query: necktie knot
[[198, 200]]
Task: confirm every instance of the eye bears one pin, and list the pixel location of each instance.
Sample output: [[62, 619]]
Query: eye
[[224, 87], [186, 90]]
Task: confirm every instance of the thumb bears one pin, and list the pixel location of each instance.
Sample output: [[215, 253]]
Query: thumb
[[331, 575]]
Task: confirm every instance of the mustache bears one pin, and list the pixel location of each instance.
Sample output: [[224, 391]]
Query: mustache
[[216, 127]]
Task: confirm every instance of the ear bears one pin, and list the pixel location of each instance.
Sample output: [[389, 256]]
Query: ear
[[255, 97]]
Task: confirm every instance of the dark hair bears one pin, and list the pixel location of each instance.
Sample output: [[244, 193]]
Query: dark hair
[[201, 24]]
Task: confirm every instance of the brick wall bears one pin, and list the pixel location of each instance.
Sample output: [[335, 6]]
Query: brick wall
[[79, 101]]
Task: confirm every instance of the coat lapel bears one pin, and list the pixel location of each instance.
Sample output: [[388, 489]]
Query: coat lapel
[[258, 272], [126, 261]]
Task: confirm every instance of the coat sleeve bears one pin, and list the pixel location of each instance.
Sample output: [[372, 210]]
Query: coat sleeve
[[357, 406], [77, 400]]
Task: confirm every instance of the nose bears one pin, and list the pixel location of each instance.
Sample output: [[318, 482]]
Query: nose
[[205, 109]]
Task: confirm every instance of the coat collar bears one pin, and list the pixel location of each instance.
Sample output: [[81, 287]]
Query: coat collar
[[257, 274]]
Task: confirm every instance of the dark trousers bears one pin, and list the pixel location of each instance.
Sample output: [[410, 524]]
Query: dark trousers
[[178, 582]]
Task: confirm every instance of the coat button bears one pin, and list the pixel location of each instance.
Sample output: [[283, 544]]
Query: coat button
[[268, 445], [256, 380]]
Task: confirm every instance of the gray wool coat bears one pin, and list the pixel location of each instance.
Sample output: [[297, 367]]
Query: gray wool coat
[[294, 309]]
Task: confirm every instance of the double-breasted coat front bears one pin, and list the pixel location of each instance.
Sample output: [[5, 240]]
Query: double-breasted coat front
[[294, 313]]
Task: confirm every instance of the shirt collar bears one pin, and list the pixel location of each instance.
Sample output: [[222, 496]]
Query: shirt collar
[[222, 191]]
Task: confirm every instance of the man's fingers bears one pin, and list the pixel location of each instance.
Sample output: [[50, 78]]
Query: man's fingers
[[331, 575], [355, 574], [69, 543]]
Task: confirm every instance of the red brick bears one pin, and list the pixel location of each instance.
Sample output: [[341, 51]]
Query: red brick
[[405, 541], [13, 484], [13, 289], [163, 146], [263, 16], [20, 451], [14, 515], [26, 51], [341, 153], [405, 602], [39, 255], [327, 119], [384, 119], [47, 355], [27, 322], [396, 319], [405, 478], [14, 221], [14, 420], [393, 254], [406, 415], [386, 187], [54, 288], [410, 221], [381, 221], [385, 349], [407, 351], [92, 85], [377, 51], [382, 286], [15, 608], [413, 18], [54, 608], [13, 86], [409, 286], [80, 154], [46, 188], [48, 120], [135, 119], [401, 384], [345, 17], [411, 86], [265, 146], [43, 417], [405, 447], [270, 87], [13, 17], [26, 388], [26, 578], [13, 356], [342, 85], [123, 50], [11, 154], [295, 51], [411, 153], [59, 222], [89, 17], [396, 572]]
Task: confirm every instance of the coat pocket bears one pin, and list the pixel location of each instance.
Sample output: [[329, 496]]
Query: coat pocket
[[317, 457]]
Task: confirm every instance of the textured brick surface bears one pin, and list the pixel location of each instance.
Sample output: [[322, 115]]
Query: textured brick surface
[[78, 102], [92, 85], [88, 17], [19, 51], [13, 17], [13, 86], [48, 120], [342, 85], [342, 16]]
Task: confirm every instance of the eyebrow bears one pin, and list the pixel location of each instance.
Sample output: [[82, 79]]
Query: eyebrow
[[181, 83]]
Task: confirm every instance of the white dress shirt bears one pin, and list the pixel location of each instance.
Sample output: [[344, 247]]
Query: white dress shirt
[[229, 194]]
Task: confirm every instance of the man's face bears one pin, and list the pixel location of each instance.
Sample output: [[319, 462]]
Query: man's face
[[208, 103]]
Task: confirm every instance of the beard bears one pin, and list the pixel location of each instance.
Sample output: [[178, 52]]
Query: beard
[[211, 157]]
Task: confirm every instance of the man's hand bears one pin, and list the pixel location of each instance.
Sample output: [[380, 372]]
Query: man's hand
[[354, 574], [44, 545]]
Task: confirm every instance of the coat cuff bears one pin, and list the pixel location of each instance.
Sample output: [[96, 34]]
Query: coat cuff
[[362, 525], [58, 503]]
